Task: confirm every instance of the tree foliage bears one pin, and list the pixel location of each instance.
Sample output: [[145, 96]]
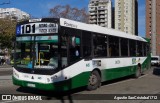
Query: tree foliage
[[7, 32], [69, 13]]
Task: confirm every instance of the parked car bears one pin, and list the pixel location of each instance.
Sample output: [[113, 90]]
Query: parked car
[[155, 60]]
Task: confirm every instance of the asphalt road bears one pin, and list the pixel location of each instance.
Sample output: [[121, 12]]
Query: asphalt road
[[148, 84]]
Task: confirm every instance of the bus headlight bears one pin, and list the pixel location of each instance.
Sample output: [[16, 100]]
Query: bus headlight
[[53, 78], [15, 74]]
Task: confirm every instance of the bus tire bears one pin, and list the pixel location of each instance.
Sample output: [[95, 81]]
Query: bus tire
[[94, 80], [138, 72]]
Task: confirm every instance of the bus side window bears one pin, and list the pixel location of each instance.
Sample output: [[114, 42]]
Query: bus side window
[[124, 47], [86, 41], [139, 48], [64, 51], [113, 46], [144, 46], [100, 45], [132, 46], [74, 48]]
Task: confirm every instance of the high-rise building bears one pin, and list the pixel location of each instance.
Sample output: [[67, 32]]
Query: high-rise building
[[13, 13], [126, 16], [100, 13], [153, 25]]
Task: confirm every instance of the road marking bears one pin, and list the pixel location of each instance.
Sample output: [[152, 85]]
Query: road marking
[[129, 79], [143, 76], [8, 77]]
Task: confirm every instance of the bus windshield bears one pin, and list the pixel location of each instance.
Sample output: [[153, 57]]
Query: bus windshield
[[23, 56], [38, 54]]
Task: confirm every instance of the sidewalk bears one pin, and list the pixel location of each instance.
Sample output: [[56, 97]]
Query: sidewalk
[[5, 67], [8, 77]]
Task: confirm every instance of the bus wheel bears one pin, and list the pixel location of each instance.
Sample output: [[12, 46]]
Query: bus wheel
[[94, 81], [138, 72]]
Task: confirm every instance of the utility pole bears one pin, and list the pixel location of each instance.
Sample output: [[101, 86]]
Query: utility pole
[[153, 29]]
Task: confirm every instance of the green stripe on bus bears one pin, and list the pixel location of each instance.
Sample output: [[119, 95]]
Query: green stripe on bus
[[77, 81], [114, 73]]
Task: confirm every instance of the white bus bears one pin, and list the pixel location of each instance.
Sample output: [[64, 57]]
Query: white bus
[[65, 54]]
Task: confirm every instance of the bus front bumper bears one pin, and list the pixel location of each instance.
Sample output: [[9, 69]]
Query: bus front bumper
[[48, 87]]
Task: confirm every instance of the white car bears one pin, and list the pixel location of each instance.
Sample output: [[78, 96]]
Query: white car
[[155, 60]]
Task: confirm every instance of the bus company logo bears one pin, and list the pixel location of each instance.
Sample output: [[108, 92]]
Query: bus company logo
[[6, 97], [35, 20], [87, 65], [70, 25]]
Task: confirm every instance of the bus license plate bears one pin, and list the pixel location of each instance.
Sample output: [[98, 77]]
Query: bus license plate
[[31, 85]]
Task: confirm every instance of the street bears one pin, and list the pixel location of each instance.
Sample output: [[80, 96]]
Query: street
[[147, 84]]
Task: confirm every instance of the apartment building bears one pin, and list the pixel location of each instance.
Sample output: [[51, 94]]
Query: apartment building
[[13, 13], [153, 25], [126, 16], [100, 13]]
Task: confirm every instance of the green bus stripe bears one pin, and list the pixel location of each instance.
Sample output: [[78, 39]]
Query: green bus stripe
[[77, 81]]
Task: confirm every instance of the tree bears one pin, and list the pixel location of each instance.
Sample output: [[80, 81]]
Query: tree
[[69, 13], [7, 32]]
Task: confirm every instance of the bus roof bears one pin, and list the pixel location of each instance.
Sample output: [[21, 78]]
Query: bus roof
[[98, 29]]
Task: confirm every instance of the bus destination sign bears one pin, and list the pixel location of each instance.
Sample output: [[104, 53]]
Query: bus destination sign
[[37, 28]]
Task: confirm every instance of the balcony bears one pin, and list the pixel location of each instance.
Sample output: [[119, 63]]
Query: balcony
[[101, 12], [92, 9], [93, 17], [101, 16], [93, 21], [102, 20], [101, 8], [92, 13], [102, 25]]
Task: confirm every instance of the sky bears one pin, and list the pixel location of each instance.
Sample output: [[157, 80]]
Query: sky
[[40, 8]]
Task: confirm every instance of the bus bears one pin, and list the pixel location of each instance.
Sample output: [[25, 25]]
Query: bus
[[60, 54]]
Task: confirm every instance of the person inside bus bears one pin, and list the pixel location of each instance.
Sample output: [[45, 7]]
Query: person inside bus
[[53, 61]]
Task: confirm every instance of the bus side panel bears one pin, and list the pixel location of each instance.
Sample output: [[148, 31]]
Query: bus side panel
[[109, 74], [111, 69]]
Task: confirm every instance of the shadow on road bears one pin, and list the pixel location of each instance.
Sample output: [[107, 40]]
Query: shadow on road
[[52, 95], [119, 80], [156, 71]]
